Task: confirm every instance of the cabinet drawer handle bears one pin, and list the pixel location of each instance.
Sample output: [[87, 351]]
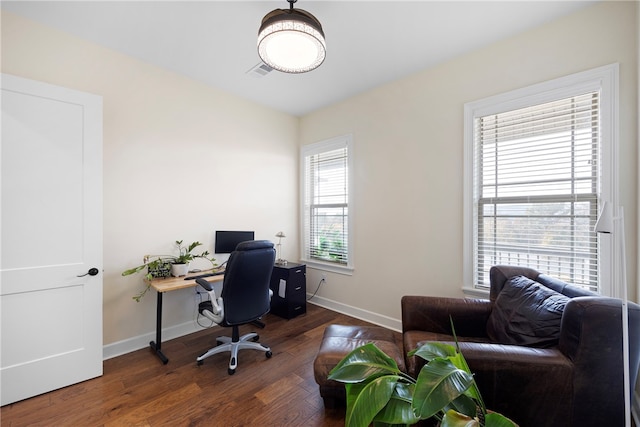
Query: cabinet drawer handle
[[298, 271], [298, 307], [298, 288]]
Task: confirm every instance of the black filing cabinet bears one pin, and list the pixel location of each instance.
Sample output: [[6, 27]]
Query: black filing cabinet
[[289, 286]]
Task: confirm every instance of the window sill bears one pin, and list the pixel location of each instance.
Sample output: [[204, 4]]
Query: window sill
[[334, 268], [476, 292]]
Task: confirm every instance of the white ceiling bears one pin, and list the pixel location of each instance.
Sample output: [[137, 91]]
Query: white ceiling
[[369, 43]]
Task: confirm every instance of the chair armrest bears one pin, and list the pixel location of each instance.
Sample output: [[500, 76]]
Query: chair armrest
[[213, 309], [433, 314]]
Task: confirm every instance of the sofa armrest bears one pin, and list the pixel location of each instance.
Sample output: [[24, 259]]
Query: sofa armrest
[[587, 328], [591, 337], [433, 314]]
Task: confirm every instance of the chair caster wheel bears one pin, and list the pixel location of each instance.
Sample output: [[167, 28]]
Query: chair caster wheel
[[256, 338], [199, 362], [268, 354], [231, 371]]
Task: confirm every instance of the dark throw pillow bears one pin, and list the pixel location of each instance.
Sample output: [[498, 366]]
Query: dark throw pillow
[[526, 313]]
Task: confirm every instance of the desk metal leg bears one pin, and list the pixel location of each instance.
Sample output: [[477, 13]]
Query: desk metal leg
[[157, 345]]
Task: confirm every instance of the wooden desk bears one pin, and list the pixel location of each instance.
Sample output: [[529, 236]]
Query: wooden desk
[[167, 285]]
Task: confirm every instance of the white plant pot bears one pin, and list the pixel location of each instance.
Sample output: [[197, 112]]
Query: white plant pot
[[178, 270]]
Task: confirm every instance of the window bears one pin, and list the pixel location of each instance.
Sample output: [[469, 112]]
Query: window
[[539, 166], [326, 229]]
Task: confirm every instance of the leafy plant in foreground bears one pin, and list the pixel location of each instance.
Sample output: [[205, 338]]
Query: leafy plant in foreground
[[379, 392]]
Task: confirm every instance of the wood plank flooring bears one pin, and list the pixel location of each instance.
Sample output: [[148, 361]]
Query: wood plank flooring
[[138, 390]]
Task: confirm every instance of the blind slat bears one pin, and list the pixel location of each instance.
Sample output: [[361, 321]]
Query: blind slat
[[536, 181], [326, 206]]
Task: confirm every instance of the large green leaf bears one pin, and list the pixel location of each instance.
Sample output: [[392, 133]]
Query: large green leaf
[[493, 419], [439, 383], [455, 419], [365, 400], [460, 362], [398, 410], [404, 391], [464, 405], [433, 350], [430, 350], [362, 363]]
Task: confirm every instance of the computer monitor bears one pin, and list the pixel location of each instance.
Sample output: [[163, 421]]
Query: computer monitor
[[226, 241]]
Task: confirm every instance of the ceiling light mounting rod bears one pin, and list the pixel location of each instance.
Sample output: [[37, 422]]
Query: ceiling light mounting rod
[[291, 40]]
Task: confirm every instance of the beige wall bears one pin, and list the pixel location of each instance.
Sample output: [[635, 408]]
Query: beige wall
[[180, 160], [164, 133], [636, 401], [408, 147]]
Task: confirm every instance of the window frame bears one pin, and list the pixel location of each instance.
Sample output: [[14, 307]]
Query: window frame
[[343, 141], [605, 81]]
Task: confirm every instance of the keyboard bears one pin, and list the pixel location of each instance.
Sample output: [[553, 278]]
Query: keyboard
[[202, 276]]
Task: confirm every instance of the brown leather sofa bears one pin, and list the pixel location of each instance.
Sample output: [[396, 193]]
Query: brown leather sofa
[[573, 378]]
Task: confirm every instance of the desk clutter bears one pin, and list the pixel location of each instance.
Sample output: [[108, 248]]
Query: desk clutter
[[205, 275]]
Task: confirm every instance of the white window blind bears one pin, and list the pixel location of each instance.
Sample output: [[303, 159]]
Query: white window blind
[[536, 172], [326, 202]]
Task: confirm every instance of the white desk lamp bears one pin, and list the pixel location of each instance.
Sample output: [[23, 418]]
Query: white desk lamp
[[280, 261], [610, 224]]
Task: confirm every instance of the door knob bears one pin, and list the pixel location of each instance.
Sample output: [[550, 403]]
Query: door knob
[[92, 272]]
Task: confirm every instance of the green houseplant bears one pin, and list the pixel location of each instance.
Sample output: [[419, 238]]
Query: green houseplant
[[160, 265], [379, 392], [185, 256]]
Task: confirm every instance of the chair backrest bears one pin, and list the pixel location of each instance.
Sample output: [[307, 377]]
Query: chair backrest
[[245, 290]]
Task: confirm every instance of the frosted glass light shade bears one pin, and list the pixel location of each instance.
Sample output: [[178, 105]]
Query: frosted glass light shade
[[291, 41]]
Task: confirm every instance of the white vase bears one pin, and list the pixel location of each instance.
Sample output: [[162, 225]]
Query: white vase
[[178, 270]]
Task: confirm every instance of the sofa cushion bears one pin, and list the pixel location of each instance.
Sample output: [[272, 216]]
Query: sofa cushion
[[526, 313], [564, 288]]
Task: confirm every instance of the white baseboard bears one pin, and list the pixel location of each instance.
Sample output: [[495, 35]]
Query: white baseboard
[[142, 341], [358, 313]]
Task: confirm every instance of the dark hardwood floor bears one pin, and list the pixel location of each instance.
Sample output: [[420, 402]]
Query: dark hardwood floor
[[138, 390]]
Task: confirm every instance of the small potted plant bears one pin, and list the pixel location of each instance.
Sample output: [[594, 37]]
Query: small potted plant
[[180, 264], [159, 266]]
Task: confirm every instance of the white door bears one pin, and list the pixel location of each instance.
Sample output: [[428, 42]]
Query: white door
[[51, 232]]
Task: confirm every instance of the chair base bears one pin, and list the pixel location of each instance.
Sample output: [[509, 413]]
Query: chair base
[[247, 341]]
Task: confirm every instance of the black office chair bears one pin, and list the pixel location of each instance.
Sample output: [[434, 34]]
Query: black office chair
[[243, 297]]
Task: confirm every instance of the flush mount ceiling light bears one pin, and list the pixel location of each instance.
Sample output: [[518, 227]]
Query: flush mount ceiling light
[[291, 41]]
